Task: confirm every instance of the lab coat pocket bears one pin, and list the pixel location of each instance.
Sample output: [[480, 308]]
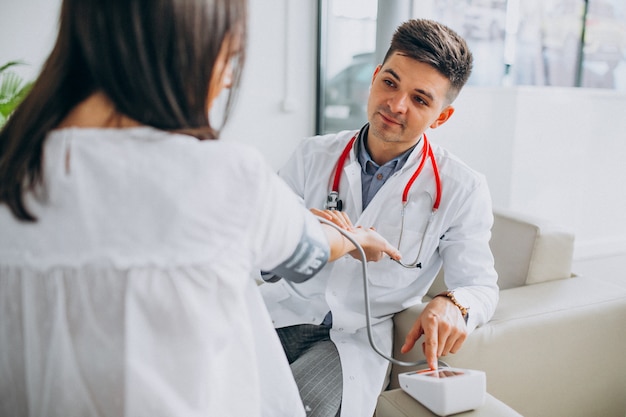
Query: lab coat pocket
[[389, 274], [416, 249]]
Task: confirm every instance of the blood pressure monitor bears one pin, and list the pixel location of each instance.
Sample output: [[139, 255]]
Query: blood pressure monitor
[[446, 391]]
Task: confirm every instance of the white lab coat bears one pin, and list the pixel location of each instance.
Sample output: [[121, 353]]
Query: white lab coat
[[458, 238], [133, 293]]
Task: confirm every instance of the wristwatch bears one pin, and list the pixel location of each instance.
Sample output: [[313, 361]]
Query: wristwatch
[[450, 295]]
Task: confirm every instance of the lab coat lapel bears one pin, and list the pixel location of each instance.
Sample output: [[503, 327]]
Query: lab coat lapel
[[352, 173]]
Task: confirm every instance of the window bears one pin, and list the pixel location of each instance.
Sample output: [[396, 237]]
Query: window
[[514, 42], [348, 41]]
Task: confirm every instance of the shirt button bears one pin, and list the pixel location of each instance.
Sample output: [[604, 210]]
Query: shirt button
[[379, 177]]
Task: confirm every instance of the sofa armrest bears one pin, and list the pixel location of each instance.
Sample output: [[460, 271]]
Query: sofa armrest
[[526, 250], [529, 250], [554, 348]]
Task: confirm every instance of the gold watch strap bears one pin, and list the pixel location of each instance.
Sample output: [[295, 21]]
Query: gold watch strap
[[450, 295]]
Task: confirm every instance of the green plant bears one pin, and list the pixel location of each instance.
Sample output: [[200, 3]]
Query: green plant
[[12, 90]]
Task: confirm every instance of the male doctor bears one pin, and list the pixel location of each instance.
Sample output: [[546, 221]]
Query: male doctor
[[446, 221]]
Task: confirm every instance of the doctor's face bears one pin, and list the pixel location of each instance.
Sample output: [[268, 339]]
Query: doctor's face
[[406, 98]]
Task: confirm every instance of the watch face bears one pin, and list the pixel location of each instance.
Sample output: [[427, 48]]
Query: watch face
[[443, 373]]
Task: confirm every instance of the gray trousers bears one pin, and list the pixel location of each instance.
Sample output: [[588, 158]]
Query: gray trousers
[[315, 365]]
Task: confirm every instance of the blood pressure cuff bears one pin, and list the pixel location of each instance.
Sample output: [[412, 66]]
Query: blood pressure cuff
[[309, 257]]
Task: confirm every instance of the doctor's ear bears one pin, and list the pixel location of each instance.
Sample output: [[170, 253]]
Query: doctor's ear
[[376, 71], [445, 114]]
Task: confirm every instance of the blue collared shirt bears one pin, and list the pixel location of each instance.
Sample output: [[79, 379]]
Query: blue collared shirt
[[374, 176]]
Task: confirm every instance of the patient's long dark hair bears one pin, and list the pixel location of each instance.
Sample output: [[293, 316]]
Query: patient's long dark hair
[[152, 58]]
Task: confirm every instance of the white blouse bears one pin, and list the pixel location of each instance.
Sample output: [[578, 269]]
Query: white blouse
[[132, 295]]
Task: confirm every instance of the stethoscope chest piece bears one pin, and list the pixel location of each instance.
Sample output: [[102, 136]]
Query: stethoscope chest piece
[[333, 202]]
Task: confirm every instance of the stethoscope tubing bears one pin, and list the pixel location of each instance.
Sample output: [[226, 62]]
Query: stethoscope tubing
[[427, 153], [366, 296], [416, 263]]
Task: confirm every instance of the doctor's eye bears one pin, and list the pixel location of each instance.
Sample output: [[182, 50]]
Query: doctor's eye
[[420, 101], [389, 83]]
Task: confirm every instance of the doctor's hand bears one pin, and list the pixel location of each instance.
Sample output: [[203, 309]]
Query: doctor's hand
[[374, 245], [339, 218], [443, 327]]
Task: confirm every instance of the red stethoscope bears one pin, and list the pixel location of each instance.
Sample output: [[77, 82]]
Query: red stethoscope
[[333, 202]]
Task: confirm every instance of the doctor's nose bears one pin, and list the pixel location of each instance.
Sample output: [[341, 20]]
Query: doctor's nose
[[398, 103]]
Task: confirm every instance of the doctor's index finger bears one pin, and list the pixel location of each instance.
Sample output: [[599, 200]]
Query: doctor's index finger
[[431, 344], [393, 253], [387, 247]]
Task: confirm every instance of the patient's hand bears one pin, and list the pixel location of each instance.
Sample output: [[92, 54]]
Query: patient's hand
[[339, 218]]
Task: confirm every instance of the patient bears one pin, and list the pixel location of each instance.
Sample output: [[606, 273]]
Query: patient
[[128, 243]]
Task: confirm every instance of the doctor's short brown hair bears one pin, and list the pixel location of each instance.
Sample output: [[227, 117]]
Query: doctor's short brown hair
[[437, 45]]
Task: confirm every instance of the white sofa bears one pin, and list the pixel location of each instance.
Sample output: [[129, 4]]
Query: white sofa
[[556, 345]]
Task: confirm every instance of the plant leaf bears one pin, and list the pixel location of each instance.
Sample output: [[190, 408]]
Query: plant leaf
[[12, 90], [10, 64]]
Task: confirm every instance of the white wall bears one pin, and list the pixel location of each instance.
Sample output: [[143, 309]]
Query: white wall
[[28, 30], [555, 153], [276, 104]]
